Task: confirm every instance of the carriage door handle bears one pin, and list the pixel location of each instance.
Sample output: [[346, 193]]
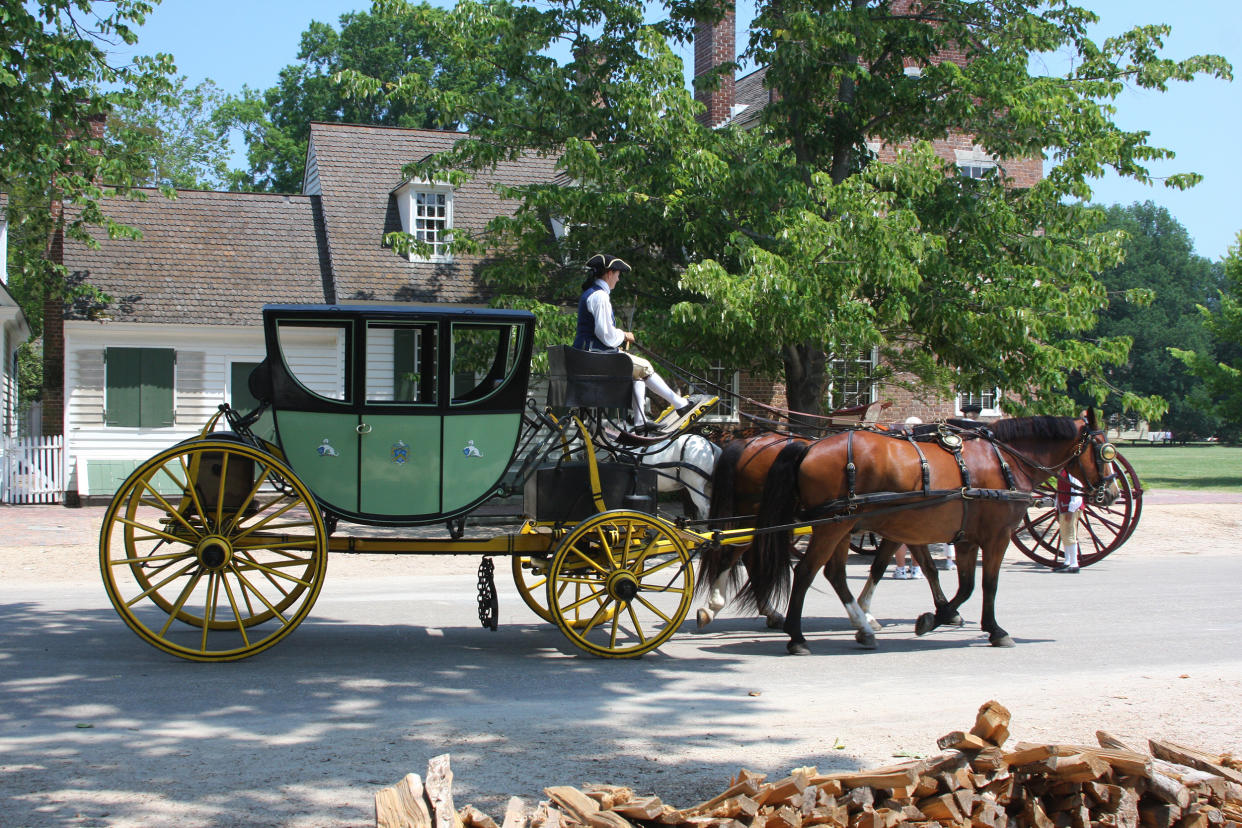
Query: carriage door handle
[[363, 428]]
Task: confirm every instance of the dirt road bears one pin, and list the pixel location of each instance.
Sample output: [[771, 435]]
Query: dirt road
[[98, 728]]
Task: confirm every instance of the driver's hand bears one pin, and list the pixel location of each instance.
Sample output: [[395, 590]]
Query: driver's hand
[[629, 336]]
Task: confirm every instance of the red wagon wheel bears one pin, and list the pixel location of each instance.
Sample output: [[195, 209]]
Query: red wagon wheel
[[1101, 529]]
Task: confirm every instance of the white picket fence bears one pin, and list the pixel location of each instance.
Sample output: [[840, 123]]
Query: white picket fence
[[32, 469]]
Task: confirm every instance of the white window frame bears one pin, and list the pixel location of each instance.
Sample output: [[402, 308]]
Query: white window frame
[[871, 387], [726, 410], [980, 397], [974, 163], [408, 195]]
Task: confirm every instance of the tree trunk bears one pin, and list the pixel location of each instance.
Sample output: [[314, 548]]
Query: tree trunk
[[806, 381]]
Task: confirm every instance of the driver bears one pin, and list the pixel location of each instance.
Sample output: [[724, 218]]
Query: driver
[[598, 331]]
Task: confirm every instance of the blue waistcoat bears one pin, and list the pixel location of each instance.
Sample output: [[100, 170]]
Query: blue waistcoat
[[585, 339]]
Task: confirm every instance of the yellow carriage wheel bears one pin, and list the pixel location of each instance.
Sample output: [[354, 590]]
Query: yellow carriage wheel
[[627, 576], [530, 576], [213, 551]]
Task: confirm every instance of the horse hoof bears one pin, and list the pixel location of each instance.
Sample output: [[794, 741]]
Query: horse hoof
[[865, 639], [1002, 641], [775, 622], [957, 621], [704, 617], [875, 625], [925, 624], [797, 648]]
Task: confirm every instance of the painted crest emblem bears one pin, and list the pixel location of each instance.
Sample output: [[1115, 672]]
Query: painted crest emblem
[[470, 451], [325, 449], [400, 452]]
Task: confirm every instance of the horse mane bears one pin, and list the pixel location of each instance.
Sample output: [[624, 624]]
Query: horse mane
[[1041, 427]]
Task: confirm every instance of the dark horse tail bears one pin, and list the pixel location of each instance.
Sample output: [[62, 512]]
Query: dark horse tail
[[770, 570], [724, 481]]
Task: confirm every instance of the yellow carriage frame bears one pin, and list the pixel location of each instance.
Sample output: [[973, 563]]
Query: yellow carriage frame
[[213, 550]]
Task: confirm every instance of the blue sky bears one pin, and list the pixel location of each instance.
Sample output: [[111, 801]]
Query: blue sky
[[236, 43]]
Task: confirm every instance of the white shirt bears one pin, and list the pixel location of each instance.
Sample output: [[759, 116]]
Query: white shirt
[[599, 304]]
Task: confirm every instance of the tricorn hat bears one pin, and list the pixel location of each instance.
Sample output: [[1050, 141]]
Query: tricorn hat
[[599, 264]]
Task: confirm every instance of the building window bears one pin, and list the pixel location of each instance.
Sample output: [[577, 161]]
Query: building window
[[724, 411], [975, 169], [138, 387], [432, 221], [987, 400], [851, 380], [427, 217]]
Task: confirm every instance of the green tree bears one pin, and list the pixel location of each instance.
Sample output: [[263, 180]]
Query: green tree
[[1159, 262], [56, 78], [190, 147], [1220, 365], [275, 124], [775, 245]]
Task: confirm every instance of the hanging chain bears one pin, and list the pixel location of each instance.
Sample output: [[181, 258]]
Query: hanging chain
[[489, 605]]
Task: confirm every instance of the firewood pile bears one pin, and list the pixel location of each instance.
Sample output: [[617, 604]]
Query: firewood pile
[[973, 782]]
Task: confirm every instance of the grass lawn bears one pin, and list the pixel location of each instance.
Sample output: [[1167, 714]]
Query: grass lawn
[[1201, 466]]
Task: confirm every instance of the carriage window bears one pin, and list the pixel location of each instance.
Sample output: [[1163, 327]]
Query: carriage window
[[401, 362], [484, 356], [315, 355]]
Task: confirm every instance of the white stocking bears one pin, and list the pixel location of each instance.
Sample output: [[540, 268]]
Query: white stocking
[[640, 402], [1071, 554], [657, 384]]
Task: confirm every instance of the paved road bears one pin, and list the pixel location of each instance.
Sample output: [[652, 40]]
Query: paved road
[[98, 728]]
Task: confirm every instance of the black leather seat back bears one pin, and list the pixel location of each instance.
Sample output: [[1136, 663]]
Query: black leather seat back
[[586, 379]]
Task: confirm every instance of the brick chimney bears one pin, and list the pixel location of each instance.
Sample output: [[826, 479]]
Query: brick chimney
[[54, 309], [715, 44]]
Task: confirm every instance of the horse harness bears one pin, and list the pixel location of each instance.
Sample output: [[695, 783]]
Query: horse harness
[[950, 438]]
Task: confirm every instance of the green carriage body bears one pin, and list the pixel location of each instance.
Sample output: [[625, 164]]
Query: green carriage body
[[396, 415]]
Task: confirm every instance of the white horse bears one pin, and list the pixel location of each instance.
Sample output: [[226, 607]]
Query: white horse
[[685, 463]]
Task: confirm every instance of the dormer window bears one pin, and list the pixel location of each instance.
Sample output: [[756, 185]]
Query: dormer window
[[427, 216]]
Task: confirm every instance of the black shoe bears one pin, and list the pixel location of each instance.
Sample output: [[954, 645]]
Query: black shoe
[[693, 403], [1072, 570]]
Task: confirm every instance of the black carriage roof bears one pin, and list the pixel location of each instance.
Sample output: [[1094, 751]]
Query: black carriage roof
[[457, 312]]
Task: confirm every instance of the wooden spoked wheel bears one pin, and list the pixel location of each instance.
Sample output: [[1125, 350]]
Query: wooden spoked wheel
[[1101, 529], [213, 551], [620, 584], [530, 575]]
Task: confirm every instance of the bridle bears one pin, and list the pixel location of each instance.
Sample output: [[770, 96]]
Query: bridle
[[1104, 453]]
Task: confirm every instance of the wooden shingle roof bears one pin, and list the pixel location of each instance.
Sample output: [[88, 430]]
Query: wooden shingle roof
[[206, 257], [356, 169]]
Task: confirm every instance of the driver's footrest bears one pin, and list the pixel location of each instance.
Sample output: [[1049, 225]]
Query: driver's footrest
[[671, 421]]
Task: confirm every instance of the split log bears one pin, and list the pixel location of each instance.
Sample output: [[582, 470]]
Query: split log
[[992, 723], [439, 788], [402, 805], [573, 802], [641, 807], [958, 740], [1193, 758], [472, 817], [515, 814]]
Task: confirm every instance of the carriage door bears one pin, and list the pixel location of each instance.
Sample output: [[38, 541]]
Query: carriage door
[[399, 440]]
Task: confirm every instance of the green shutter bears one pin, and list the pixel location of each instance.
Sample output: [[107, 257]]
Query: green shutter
[[156, 404], [123, 381], [139, 387]]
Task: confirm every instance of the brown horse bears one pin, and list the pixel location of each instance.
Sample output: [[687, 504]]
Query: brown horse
[[974, 497], [737, 490]]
